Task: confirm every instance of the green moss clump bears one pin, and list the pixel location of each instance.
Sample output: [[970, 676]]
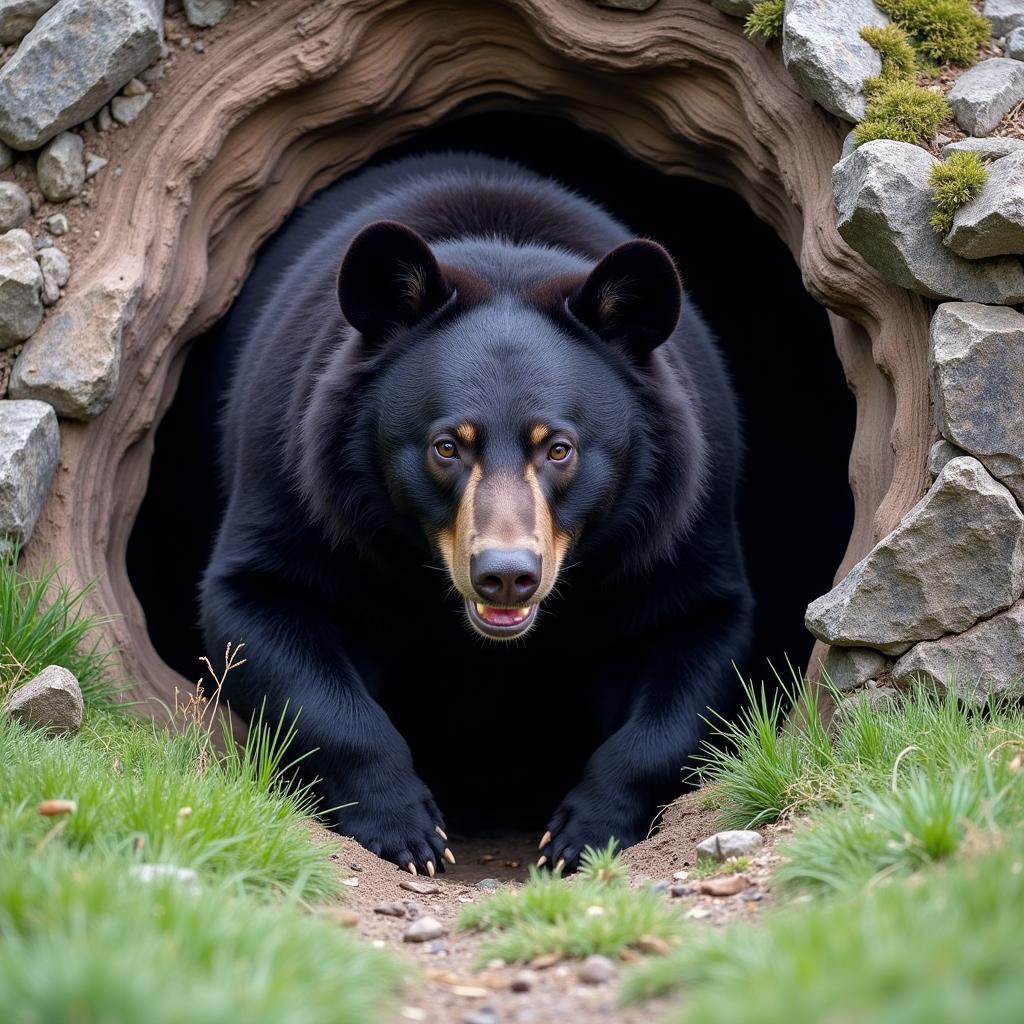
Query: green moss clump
[[943, 31], [954, 182], [765, 20], [898, 60], [902, 111]]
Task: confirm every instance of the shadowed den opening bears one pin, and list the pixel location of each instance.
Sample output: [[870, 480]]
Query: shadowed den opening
[[795, 506]]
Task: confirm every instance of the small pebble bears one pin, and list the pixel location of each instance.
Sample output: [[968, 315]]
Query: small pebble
[[104, 120], [485, 1015], [94, 164], [393, 909], [57, 224], [522, 982], [752, 896], [153, 74], [660, 885], [424, 929], [420, 888], [134, 88], [597, 970], [488, 883], [184, 42], [126, 108], [698, 913], [35, 200], [42, 241], [734, 843], [682, 890], [730, 885], [341, 916], [438, 949], [199, 46]]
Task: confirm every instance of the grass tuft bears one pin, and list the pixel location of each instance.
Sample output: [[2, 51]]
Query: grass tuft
[[43, 622], [943, 31], [765, 20], [597, 912], [955, 181]]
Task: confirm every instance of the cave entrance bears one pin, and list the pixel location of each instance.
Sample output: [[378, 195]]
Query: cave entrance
[[796, 508]]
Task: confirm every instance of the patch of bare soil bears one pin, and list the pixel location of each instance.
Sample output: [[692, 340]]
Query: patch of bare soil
[[449, 990]]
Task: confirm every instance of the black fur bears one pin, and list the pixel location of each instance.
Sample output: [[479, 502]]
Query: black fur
[[324, 564]]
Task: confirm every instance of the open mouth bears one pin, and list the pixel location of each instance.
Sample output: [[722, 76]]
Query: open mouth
[[500, 623]]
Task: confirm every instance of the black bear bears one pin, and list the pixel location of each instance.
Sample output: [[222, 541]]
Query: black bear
[[480, 462]]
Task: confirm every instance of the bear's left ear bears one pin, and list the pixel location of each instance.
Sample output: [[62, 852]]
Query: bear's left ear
[[389, 278], [632, 298]]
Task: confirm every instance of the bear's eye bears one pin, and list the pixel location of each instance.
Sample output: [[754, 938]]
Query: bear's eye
[[446, 448], [559, 452]]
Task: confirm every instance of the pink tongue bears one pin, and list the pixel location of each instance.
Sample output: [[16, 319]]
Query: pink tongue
[[502, 616]]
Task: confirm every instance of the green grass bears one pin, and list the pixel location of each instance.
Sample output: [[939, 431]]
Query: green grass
[[902, 884], [80, 942], [765, 20], [940, 949], [596, 912], [43, 622], [766, 769], [955, 181], [942, 31], [708, 866], [130, 779]]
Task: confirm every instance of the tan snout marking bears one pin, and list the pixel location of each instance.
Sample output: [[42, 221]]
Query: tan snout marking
[[502, 510]]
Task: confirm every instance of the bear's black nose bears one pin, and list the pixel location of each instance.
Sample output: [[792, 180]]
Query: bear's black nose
[[506, 576]]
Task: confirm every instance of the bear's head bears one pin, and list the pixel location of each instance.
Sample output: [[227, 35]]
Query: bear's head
[[511, 407]]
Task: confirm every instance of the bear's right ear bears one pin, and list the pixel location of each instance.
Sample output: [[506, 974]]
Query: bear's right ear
[[389, 278]]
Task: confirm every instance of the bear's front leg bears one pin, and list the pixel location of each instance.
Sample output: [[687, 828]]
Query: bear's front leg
[[344, 744], [672, 681]]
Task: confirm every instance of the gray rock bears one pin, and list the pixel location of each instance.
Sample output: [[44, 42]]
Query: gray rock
[[56, 270], [976, 364], [983, 95], [883, 198], [21, 282], [60, 169], [74, 60], [16, 241], [939, 454], [125, 109], [94, 164], [134, 87], [424, 929], [992, 223], [29, 447], [43, 241], [734, 8], [52, 701], [876, 697], [850, 667], [489, 884], [6, 156], [991, 148], [74, 360], [1015, 44], [986, 659], [57, 224], [732, 843], [421, 888], [18, 16], [849, 145], [1005, 15], [206, 13], [823, 51], [597, 970], [956, 557], [104, 119], [15, 206], [151, 874]]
